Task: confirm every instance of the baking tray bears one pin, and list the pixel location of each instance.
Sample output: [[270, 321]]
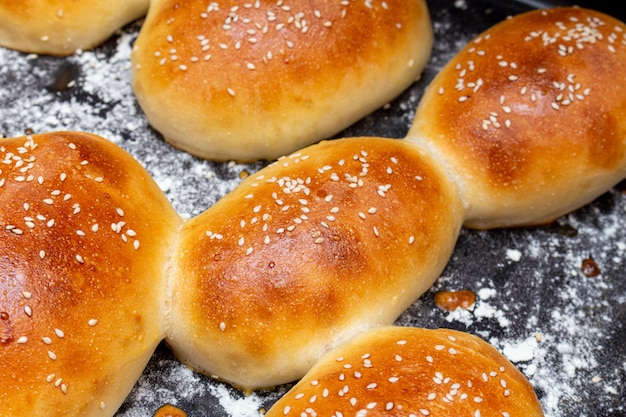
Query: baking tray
[[536, 302]]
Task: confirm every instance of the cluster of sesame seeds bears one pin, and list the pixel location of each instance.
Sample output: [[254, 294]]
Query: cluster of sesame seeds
[[574, 35], [354, 378], [241, 27], [52, 378], [564, 39], [357, 385], [293, 205], [459, 390], [35, 212], [48, 341]]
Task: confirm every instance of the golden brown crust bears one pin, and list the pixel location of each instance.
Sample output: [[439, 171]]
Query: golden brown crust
[[530, 117], [261, 80], [325, 243], [85, 238], [402, 371], [61, 27]]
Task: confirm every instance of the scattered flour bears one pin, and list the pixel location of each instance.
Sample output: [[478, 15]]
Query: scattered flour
[[514, 255]]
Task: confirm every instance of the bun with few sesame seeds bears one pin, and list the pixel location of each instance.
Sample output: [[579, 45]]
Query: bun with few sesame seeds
[[85, 239], [62, 27], [258, 80], [403, 371], [313, 249], [530, 117]]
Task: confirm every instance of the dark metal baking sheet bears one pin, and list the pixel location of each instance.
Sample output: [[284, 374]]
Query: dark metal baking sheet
[[565, 330]]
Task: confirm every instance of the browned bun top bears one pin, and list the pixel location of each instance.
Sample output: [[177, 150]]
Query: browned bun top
[[61, 27], [258, 80], [402, 371], [325, 243], [530, 117], [84, 238]]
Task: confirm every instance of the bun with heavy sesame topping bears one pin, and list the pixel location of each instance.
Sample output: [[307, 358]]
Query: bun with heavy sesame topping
[[403, 371], [530, 117], [258, 80], [319, 246], [85, 239], [62, 27]]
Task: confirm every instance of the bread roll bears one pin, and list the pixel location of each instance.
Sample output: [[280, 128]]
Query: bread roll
[[313, 249], [86, 234], [403, 371], [530, 117], [60, 27], [258, 80]]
